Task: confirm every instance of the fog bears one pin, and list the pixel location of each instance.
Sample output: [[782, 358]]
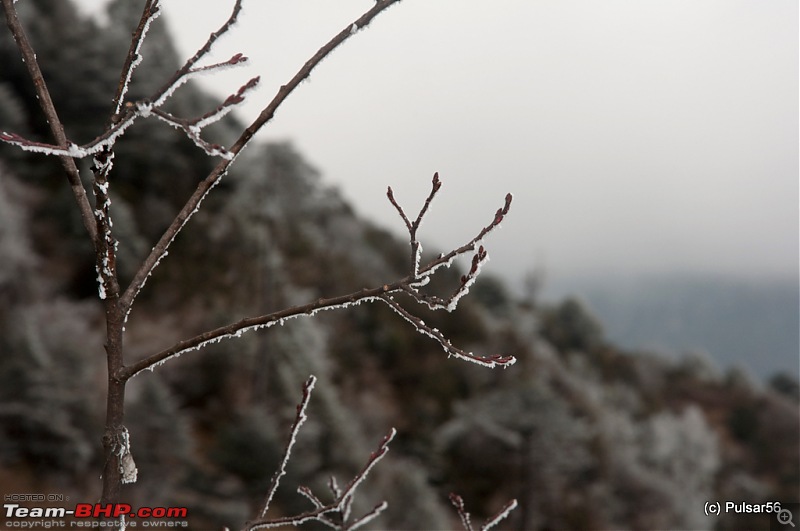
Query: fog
[[637, 137]]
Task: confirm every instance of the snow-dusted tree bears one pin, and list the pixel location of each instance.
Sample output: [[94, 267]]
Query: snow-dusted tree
[[98, 218]]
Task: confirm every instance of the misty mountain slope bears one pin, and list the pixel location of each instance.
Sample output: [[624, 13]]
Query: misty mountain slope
[[584, 434]]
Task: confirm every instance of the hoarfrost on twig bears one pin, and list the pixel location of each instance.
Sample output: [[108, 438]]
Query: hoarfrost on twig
[[300, 418]]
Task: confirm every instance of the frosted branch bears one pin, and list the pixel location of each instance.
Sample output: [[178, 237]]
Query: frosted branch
[[447, 259], [501, 515], [206, 48], [370, 516], [126, 113], [105, 263], [333, 485], [416, 248], [299, 419], [193, 127], [420, 276], [340, 505], [121, 121], [249, 324], [458, 502], [466, 521], [151, 11], [227, 106], [193, 133], [492, 361]]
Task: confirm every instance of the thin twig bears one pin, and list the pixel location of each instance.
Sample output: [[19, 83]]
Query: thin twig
[[209, 43], [502, 514], [492, 361], [151, 10], [299, 419], [458, 502], [367, 518]]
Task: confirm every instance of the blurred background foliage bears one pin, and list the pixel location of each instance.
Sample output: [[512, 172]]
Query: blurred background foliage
[[584, 434]]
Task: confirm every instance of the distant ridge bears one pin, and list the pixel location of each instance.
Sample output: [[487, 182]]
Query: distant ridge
[[746, 323]]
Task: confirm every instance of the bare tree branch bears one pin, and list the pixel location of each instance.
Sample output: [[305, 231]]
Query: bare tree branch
[[203, 188], [56, 127], [409, 285], [254, 323]]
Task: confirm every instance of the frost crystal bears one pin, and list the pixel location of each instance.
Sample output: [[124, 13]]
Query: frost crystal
[[155, 12], [127, 467]]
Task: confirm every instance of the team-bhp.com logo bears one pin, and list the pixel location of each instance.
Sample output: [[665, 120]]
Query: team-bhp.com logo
[[16, 514]]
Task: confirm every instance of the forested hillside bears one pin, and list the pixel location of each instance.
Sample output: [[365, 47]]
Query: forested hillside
[[583, 434]]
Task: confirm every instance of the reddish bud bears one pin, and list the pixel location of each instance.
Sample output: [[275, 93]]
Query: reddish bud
[[436, 182]]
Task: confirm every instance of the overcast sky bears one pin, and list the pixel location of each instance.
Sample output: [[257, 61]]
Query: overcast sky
[[637, 136]]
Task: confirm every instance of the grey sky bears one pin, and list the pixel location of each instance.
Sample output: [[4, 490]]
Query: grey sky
[[638, 136]]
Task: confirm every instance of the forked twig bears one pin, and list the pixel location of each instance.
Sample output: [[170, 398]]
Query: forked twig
[[416, 247]]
